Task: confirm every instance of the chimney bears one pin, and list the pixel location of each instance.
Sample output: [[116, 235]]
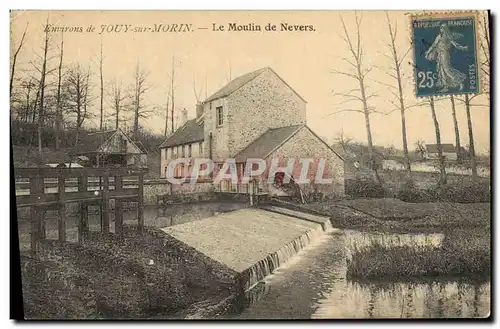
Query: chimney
[[184, 116], [199, 110]]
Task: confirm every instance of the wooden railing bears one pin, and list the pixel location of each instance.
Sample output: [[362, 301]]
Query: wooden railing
[[39, 200]]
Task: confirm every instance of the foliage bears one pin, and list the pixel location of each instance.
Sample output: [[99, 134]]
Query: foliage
[[461, 253], [364, 188], [459, 191]]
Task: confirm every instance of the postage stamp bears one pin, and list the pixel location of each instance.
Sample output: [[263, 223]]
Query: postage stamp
[[445, 54]]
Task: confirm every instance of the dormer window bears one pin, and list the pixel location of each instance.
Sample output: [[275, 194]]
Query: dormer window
[[219, 116]]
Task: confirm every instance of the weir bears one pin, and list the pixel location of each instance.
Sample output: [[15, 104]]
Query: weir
[[253, 242]]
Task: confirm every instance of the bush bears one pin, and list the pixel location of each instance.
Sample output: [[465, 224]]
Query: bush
[[364, 188], [461, 192], [465, 193], [462, 253]]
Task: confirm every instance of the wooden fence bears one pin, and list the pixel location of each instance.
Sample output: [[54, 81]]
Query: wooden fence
[[39, 200]]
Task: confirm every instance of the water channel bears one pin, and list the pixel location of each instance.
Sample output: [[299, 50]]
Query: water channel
[[314, 285]]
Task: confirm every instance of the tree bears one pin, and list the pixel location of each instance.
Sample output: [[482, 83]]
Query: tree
[[14, 60], [119, 97], [101, 118], [485, 65], [359, 75], [59, 117], [43, 75], [472, 151], [167, 108], [28, 87], [76, 93], [343, 141], [458, 147], [398, 61], [172, 93], [139, 90], [442, 169]]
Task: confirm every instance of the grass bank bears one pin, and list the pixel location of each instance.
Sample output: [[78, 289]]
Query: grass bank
[[464, 250], [393, 215]]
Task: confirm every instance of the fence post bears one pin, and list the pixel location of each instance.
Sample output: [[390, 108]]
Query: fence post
[[118, 206], [36, 188], [84, 208], [105, 204], [61, 223], [140, 202]]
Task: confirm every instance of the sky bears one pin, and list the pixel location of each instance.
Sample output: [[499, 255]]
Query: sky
[[304, 59]]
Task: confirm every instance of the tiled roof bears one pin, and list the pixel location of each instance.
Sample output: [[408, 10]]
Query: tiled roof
[[236, 84], [267, 142], [141, 147], [90, 143], [190, 132], [432, 148]]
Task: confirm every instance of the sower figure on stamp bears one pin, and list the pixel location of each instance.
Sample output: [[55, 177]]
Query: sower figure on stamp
[[448, 77]]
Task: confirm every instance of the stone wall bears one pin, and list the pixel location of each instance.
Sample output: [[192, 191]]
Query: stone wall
[[154, 188], [305, 144], [186, 192], [220, 140], [263, 103]]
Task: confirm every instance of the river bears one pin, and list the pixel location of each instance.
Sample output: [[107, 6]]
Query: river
[[153, 216], [314, 286]]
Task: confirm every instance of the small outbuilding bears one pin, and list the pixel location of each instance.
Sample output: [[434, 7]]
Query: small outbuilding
[[111, 149]]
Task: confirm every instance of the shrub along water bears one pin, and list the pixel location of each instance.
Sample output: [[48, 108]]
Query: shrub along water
[[462, 252], [461, 191]]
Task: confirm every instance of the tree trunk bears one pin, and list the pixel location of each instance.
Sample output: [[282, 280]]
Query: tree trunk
[[172, 128], [58, 97], [14, 60], [166, 114], [442, 169], [117, 114], [471, 140], [136, 116], [41, 112], [78, 111], [397, 67], [405, 141], [102, 93], [457, 132], [28, 104]]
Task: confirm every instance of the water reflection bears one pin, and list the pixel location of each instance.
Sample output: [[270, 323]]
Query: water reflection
[[316, 287], [153, 216], [438, 299]]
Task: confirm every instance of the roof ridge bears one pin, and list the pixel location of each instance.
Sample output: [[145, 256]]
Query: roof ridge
[[255, 74], [300, 124]]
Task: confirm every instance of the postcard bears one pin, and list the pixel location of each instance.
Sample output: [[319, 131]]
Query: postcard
[[251, 164]]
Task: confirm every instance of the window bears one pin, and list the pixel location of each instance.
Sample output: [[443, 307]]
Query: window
[[220, 118], [189, 150], [172, 152], [183, 150], [200, 146]]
